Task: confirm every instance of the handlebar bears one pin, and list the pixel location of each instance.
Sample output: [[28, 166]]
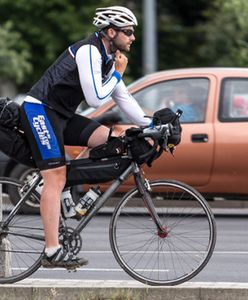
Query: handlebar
[[158, 131], [159, 134]]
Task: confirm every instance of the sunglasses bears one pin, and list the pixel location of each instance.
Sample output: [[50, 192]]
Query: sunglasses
[[127, 32]]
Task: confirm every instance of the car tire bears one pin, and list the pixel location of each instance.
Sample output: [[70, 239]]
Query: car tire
[[23, 173]]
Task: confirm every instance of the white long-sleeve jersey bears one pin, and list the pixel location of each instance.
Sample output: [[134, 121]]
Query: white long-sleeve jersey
[[82, 72], [97, 89]]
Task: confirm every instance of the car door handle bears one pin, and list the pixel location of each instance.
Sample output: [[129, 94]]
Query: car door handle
[[199, 138]]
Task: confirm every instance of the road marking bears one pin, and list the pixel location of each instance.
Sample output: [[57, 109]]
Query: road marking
[[82, 269], [231, 252], [102, 270], [149, 252]]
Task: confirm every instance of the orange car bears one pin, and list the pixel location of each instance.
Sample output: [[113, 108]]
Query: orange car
[[212, 156]]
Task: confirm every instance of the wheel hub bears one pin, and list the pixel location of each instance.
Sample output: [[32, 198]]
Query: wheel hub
[[163, 232]]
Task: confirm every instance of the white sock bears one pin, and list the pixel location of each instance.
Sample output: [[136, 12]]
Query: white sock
[[50, 251]]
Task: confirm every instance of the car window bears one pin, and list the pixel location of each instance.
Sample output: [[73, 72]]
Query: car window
[[234, 100], [190, 95]]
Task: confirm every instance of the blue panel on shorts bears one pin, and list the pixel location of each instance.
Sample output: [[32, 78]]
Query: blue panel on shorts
[[42, 130]]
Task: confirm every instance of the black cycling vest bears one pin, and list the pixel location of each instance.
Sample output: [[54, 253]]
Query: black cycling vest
[[59, 87]]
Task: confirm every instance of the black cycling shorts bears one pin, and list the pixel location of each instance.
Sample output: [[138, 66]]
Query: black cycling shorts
[[48, 132]]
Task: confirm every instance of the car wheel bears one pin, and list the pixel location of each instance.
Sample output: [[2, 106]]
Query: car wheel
[[24, 173]]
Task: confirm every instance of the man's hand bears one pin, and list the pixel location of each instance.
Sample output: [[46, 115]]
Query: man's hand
[[120, 62]]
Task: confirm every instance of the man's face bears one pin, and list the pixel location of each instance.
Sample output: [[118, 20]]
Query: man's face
[[124, 38]]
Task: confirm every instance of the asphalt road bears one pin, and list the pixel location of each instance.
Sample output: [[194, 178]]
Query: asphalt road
[[229, 262]]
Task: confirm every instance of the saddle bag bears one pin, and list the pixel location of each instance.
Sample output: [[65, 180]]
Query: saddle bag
[[15, 145], [9, 113], [90, 171]]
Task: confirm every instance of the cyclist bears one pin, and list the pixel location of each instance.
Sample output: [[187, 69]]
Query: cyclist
[[90, 70]]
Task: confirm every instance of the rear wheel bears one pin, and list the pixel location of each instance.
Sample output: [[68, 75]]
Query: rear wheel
[[173, 255], [21, 236]]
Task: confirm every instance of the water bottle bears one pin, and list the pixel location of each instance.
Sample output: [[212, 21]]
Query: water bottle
[[68, 204], [87, 201]]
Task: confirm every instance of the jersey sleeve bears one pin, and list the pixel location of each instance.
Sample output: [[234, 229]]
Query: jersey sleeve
[[89, 62], [129, 105]]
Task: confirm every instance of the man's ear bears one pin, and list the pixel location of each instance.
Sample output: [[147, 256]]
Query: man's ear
[[111, 33]]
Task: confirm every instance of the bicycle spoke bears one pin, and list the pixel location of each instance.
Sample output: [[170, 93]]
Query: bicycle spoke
[[173, 255], [22, 239]]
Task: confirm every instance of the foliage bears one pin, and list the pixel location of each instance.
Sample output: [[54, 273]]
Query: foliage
[[203, 33], [189, 33], [227, 34], [14, 54], [180, 32], [47, 26]]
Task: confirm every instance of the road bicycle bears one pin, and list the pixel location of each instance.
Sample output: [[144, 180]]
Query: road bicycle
[[161, 232]]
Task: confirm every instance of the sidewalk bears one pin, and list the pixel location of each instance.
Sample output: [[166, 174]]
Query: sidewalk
[[37, 289]]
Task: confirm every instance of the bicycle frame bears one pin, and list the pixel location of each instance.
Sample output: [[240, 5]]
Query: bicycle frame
[[135, 170], [157, 242], [103, 198], [132, 169]]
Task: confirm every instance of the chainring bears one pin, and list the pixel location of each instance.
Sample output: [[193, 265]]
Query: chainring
[[70, 239]]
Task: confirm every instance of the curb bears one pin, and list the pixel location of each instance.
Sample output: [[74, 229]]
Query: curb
[[42, 289]]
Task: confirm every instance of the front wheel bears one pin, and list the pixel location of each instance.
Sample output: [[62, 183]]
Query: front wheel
[[172, 256]]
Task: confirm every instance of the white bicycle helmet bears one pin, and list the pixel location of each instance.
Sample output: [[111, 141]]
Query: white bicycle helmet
[[118, 16]]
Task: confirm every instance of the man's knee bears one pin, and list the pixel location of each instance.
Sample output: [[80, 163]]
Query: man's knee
[[99, 136], [55, 177]]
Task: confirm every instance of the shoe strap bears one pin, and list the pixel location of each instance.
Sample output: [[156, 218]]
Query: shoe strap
[[59, 255]]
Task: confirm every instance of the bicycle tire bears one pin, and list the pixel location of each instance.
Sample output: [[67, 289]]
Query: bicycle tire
[[22, 240], [173, 258]]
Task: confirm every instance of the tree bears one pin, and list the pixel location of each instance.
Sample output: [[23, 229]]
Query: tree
[[190, 33], [226, 35], [181, 30], [48, 27], [14, 55]]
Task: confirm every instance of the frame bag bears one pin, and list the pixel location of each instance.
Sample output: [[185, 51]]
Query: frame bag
[[86, 170]]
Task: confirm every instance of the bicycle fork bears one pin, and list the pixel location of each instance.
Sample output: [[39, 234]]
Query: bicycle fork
[[144, 188]]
